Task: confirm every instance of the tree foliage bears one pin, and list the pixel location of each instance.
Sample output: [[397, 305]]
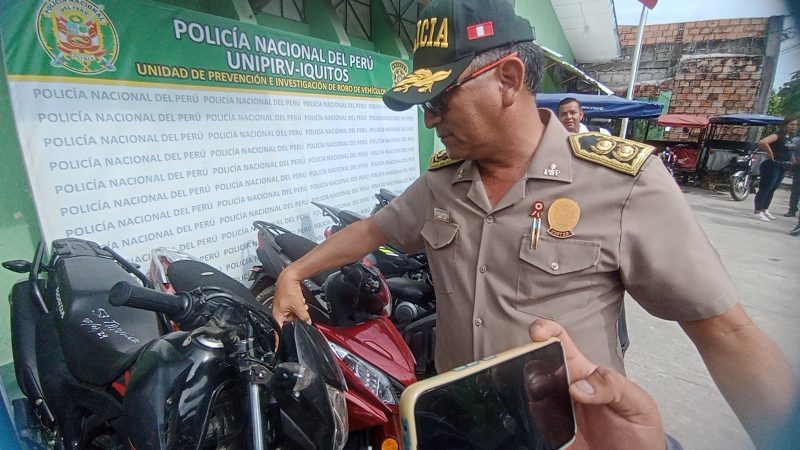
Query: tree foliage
[[789, 95], [774, 107]]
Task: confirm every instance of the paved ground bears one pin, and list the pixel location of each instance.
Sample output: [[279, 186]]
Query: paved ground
[[764, 261]]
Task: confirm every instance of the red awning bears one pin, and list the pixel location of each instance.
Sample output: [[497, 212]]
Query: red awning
[[683, 120]]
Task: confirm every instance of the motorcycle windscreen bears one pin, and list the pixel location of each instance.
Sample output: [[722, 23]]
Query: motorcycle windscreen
[[522, 402]]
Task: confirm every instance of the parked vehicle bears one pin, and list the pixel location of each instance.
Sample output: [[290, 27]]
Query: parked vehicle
[[411, 285], [350, 306], [733, 163], [390, 261], [681, 157], [384, 196], [101, 368]]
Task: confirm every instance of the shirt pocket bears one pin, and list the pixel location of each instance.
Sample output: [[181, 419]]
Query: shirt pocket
[[555, 279], [441, 241]]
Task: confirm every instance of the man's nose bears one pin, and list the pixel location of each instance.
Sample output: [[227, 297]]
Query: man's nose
[[431, 119]]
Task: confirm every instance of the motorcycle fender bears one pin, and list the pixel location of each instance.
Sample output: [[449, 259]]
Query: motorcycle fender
[[172, 388], [739, 173]]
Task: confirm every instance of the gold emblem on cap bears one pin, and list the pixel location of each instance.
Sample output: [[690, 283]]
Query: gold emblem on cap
[[562, 216], [422, 79]]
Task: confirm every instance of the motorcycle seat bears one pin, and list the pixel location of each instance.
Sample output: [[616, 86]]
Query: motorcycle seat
[[349, 217], [99, 341]]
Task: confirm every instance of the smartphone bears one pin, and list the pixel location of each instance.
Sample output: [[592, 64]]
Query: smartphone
[[517, 399]]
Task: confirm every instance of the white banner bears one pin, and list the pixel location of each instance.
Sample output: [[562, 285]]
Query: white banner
[[137, 166]]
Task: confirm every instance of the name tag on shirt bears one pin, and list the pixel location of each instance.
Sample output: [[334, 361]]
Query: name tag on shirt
[[441, 215]]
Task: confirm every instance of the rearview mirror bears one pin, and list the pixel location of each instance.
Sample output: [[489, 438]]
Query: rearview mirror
[[18, 266]]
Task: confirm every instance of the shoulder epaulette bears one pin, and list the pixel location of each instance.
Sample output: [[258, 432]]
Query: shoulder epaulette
[[440, 159], [619, 154]]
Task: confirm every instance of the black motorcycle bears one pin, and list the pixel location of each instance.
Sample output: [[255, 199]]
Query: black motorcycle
[[105, 363], [744, 179]]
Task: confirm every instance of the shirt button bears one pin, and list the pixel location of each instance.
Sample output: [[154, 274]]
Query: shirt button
[[478, 322], [554, 265], [482, 269], [490, 219]]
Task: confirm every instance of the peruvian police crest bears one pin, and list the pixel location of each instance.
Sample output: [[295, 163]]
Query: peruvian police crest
[[399, 71], [78, 36]]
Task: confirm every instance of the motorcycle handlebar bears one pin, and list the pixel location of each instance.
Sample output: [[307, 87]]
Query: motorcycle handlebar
[[126, 294]]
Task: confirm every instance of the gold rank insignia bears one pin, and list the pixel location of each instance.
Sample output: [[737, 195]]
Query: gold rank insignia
[[619, 154], [440, 159]]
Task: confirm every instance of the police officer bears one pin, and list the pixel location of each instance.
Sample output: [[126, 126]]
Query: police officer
[[522, 220]]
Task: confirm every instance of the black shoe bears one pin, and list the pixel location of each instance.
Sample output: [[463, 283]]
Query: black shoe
[[796, 230], [790, 214]]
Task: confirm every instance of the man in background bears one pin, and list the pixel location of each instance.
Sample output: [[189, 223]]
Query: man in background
[[570, 114]]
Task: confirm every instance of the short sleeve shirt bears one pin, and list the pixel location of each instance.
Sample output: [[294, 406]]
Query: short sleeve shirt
[[635, 233]]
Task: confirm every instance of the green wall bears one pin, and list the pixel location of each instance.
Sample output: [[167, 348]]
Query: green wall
[[19, 226]]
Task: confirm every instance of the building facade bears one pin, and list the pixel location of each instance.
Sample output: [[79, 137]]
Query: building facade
[[707, 68]]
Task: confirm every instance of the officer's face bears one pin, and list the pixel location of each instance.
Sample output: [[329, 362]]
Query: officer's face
[[466, 125], [570, 115]]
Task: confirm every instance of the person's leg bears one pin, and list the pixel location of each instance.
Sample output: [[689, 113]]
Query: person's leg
[[777, 176], [794, 198], [796, 230], [765, 172]]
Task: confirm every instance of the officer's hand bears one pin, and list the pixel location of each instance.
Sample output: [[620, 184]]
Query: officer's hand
[[289, 303], [611, 411]]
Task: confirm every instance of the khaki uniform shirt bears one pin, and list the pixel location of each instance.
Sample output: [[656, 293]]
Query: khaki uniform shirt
[[635, 233]]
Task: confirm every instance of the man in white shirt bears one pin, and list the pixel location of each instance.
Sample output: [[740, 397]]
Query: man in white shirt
[[570, 114]]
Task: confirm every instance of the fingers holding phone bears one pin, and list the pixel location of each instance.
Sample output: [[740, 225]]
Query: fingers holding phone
[[610, 410]]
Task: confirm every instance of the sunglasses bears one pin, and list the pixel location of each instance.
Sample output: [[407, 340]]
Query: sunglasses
[[438, 105]]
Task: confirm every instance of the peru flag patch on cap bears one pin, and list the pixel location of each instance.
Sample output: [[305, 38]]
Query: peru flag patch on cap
[[480, 30]]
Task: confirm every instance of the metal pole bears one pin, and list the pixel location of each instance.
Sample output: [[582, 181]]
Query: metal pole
[[634, 67]]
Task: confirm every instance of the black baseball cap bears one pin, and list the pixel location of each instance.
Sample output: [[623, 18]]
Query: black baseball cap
[[449, 35]]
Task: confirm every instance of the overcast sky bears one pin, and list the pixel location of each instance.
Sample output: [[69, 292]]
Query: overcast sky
[[668, 11]]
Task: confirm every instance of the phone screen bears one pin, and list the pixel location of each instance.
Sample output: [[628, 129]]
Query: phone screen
[[522, 403]]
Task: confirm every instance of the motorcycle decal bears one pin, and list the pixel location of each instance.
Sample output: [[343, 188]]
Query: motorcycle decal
[[101, 313], [387, 251], [78, 36], [103, 329], [60, 303]]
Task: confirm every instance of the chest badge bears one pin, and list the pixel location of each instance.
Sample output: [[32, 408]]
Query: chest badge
[[562, 216], [536, 226], [441, 215]]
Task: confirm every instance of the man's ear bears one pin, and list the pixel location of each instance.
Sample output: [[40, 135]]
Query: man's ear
[[512, 80]]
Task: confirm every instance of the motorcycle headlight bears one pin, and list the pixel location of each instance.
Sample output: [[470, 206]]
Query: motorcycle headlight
[[375, 380], [339, 407]]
